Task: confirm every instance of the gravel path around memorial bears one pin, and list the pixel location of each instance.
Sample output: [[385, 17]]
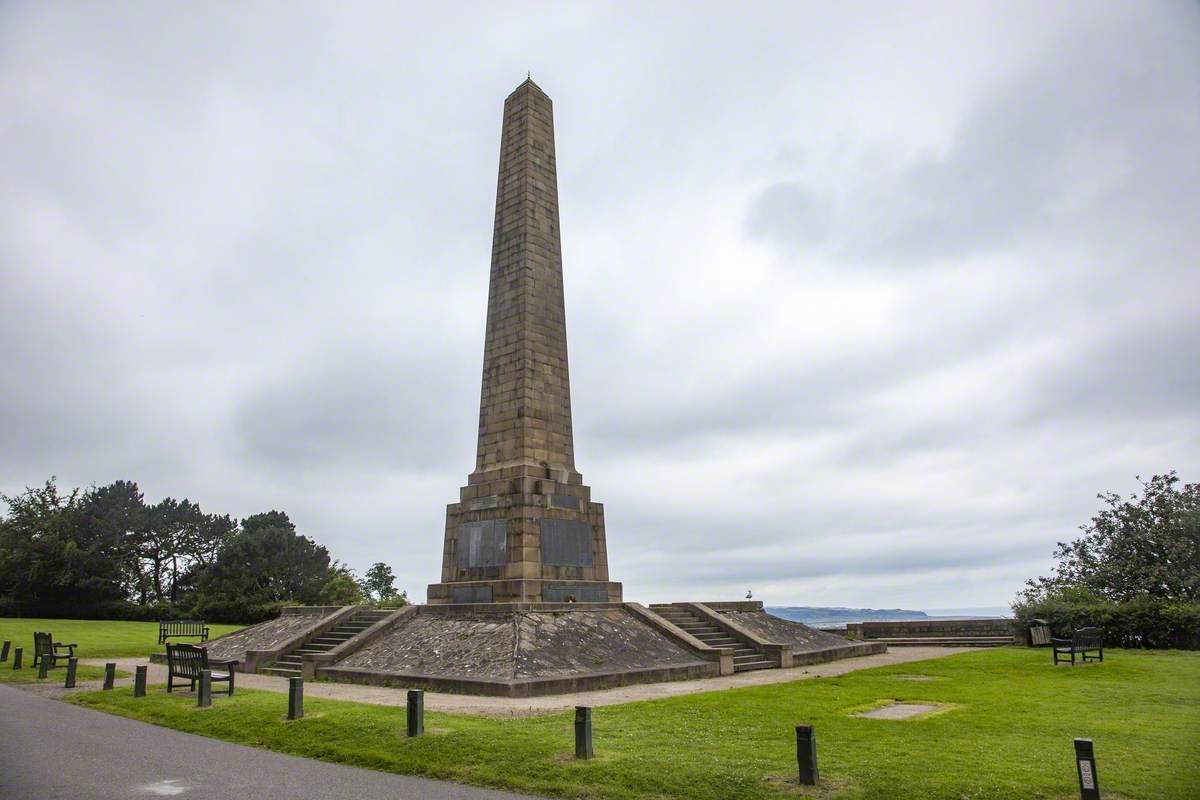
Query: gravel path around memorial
[[526, 706]]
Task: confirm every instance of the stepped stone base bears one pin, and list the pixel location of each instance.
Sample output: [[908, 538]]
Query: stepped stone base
[[270, 636], [808, 645], [521, 650]]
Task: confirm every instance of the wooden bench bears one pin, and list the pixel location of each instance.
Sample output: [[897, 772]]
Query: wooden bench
[[181, 627], [186, 661], [44, 647], [1083, 642]]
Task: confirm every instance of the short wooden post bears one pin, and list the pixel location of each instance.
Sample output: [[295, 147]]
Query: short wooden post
[[295, 698], [110, 674], [806, 754], [139, 681], [583, 732], [204, 695], [416, 712], [17, 657], [4, 651], [43, 666], [72, 664], [1085, 765]]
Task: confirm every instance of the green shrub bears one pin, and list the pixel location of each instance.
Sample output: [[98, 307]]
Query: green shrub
[[1142, 622]]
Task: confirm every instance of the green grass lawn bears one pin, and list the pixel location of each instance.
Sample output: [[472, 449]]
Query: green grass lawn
[[96, 638], [29, 674], [1007, 734]]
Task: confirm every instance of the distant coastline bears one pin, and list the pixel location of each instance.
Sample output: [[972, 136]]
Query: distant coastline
[[836, 617]]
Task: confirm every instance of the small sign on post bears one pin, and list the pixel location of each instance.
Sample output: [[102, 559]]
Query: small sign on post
[[583, 732], [139, 681], [416, 712], [72, 664], [17, 658], [4, 651], [295, 698], [43, 666], [806, 754], [110, 674], [1085, 763], [204, 694]]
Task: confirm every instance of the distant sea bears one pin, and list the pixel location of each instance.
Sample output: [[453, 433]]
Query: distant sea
[[836, 617]]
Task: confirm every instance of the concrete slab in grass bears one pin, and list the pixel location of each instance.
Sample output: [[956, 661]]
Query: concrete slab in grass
[[900, 711]]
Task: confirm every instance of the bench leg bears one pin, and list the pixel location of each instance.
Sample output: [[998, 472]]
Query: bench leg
[[170, 681], [231, 674]]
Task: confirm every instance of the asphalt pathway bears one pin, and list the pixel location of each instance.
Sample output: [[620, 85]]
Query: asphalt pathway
[[49, 749]]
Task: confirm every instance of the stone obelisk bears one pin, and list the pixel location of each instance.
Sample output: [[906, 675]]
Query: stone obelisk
[[525, 528]]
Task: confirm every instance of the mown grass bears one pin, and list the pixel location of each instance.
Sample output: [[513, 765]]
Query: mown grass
[[96, 638], [1008, 735], [29, 674]]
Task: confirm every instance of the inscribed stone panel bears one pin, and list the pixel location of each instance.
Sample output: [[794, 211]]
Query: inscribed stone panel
[[582, 594], [481, 544], [471, 594], [566, 543]]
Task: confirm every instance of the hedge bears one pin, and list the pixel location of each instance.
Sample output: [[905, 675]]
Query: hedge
[[1144, 622]]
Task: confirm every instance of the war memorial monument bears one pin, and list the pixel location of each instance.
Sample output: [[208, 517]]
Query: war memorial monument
[[525, 604]]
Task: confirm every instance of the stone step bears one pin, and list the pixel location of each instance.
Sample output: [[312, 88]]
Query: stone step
[[748, 658], [332, 641], [282, 672], [947, 642], [749, 665]]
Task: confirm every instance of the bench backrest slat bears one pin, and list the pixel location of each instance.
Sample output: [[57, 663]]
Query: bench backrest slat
[[186, 660], [1087, 637]]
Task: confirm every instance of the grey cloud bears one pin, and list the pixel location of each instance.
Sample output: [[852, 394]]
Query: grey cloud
[[1097, 141], [244, 258]]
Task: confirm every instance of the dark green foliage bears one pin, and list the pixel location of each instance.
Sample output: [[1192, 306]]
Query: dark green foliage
[[1135, 572], [341, 589], [1139, 547], [106, 554], [266, 563], [379, 582], [50, 555], [1144, 622]]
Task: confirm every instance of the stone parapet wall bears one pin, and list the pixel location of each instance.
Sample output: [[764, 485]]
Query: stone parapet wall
[[933, 628]]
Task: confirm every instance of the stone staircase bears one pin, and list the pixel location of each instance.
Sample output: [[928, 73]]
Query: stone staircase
[[745, 657], [288, 664]]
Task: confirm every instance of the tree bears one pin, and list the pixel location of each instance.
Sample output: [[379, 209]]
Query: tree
[[51, 558], [266, 562], [379, 582], [1140, 547]]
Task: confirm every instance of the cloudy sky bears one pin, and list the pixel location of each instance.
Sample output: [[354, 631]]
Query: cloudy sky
[[865, 301]]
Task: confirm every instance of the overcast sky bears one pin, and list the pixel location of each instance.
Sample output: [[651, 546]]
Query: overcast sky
[[865, 302]]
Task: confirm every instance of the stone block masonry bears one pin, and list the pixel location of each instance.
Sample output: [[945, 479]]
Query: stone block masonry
[[525, 528]]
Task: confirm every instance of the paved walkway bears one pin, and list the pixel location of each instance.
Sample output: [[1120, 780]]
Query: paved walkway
[[513, 706], [54, 750]]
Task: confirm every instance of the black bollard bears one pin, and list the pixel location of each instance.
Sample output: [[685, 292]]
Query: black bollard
[[17, 658], [4, 651], [1085, 765], [295, 698], [139, 682], [416, 712], [806, 754], [72, 664], [583, 732], [43, 666], [110, 674], [204, 695]]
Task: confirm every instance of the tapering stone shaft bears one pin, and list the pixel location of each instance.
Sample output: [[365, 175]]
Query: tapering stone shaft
[[525, 528], [525, 404]]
